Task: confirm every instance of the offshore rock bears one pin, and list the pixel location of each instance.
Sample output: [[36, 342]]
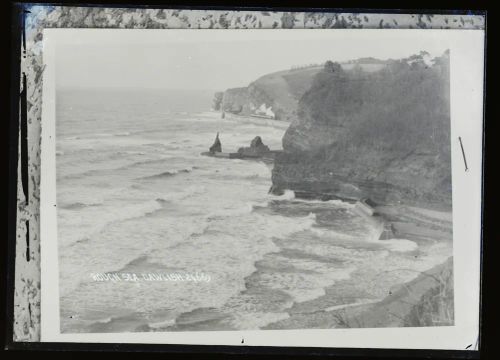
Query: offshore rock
[[256, 149], [217, 146]]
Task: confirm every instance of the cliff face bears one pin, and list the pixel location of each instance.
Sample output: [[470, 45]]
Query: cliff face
[[280, 91], [382, 133]]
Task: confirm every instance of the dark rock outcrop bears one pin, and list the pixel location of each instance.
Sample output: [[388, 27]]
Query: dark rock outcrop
[[217, 146], [382, 134], [235, 100], [256, 149], [217, 101]]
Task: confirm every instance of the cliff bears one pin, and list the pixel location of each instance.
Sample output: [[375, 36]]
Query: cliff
[[275, 94], [381, 132], [280, 92]]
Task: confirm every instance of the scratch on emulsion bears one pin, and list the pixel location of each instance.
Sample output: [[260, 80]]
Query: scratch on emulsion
[[463, 153]]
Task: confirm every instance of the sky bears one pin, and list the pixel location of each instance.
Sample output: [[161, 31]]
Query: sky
[[215, 59]]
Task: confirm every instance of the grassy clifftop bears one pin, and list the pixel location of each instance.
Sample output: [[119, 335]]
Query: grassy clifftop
[[280, 90]]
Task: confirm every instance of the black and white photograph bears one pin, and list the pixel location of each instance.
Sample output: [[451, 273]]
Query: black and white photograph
[[235, 180]]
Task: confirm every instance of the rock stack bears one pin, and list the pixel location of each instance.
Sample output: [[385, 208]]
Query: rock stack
[[256, 149]]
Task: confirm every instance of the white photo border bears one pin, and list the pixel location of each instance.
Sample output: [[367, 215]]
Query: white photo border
[[466, 101]]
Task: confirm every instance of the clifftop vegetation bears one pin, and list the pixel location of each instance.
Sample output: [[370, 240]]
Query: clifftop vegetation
[[385, 133]]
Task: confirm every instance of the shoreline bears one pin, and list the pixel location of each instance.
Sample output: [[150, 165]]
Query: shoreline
[[424, 300], [254, 120], [427, 300], [415, 223]]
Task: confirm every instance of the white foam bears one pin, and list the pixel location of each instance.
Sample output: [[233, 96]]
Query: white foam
[[162, 324], [104, 321], [257, 320], [290, 195], [183, 194], [89, 224], [400, 245], [287, 195], [397, 245], [282, 226], [302, 295], [310, 281], [358, 303], [242, 210], [329, 233]]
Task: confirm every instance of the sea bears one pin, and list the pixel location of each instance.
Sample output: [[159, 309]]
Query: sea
[[154, 236]]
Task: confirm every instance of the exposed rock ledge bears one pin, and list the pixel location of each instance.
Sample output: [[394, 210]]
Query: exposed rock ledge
[[426, 300]]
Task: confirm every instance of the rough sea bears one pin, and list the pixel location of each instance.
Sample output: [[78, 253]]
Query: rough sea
[[152, 236]]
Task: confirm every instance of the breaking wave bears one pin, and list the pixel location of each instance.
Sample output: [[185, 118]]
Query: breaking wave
[[166, 174], [289, 195], [108, 218], [79, 205]]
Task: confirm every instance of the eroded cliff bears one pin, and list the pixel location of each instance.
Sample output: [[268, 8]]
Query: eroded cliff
[[381, 133], [275, 94]]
